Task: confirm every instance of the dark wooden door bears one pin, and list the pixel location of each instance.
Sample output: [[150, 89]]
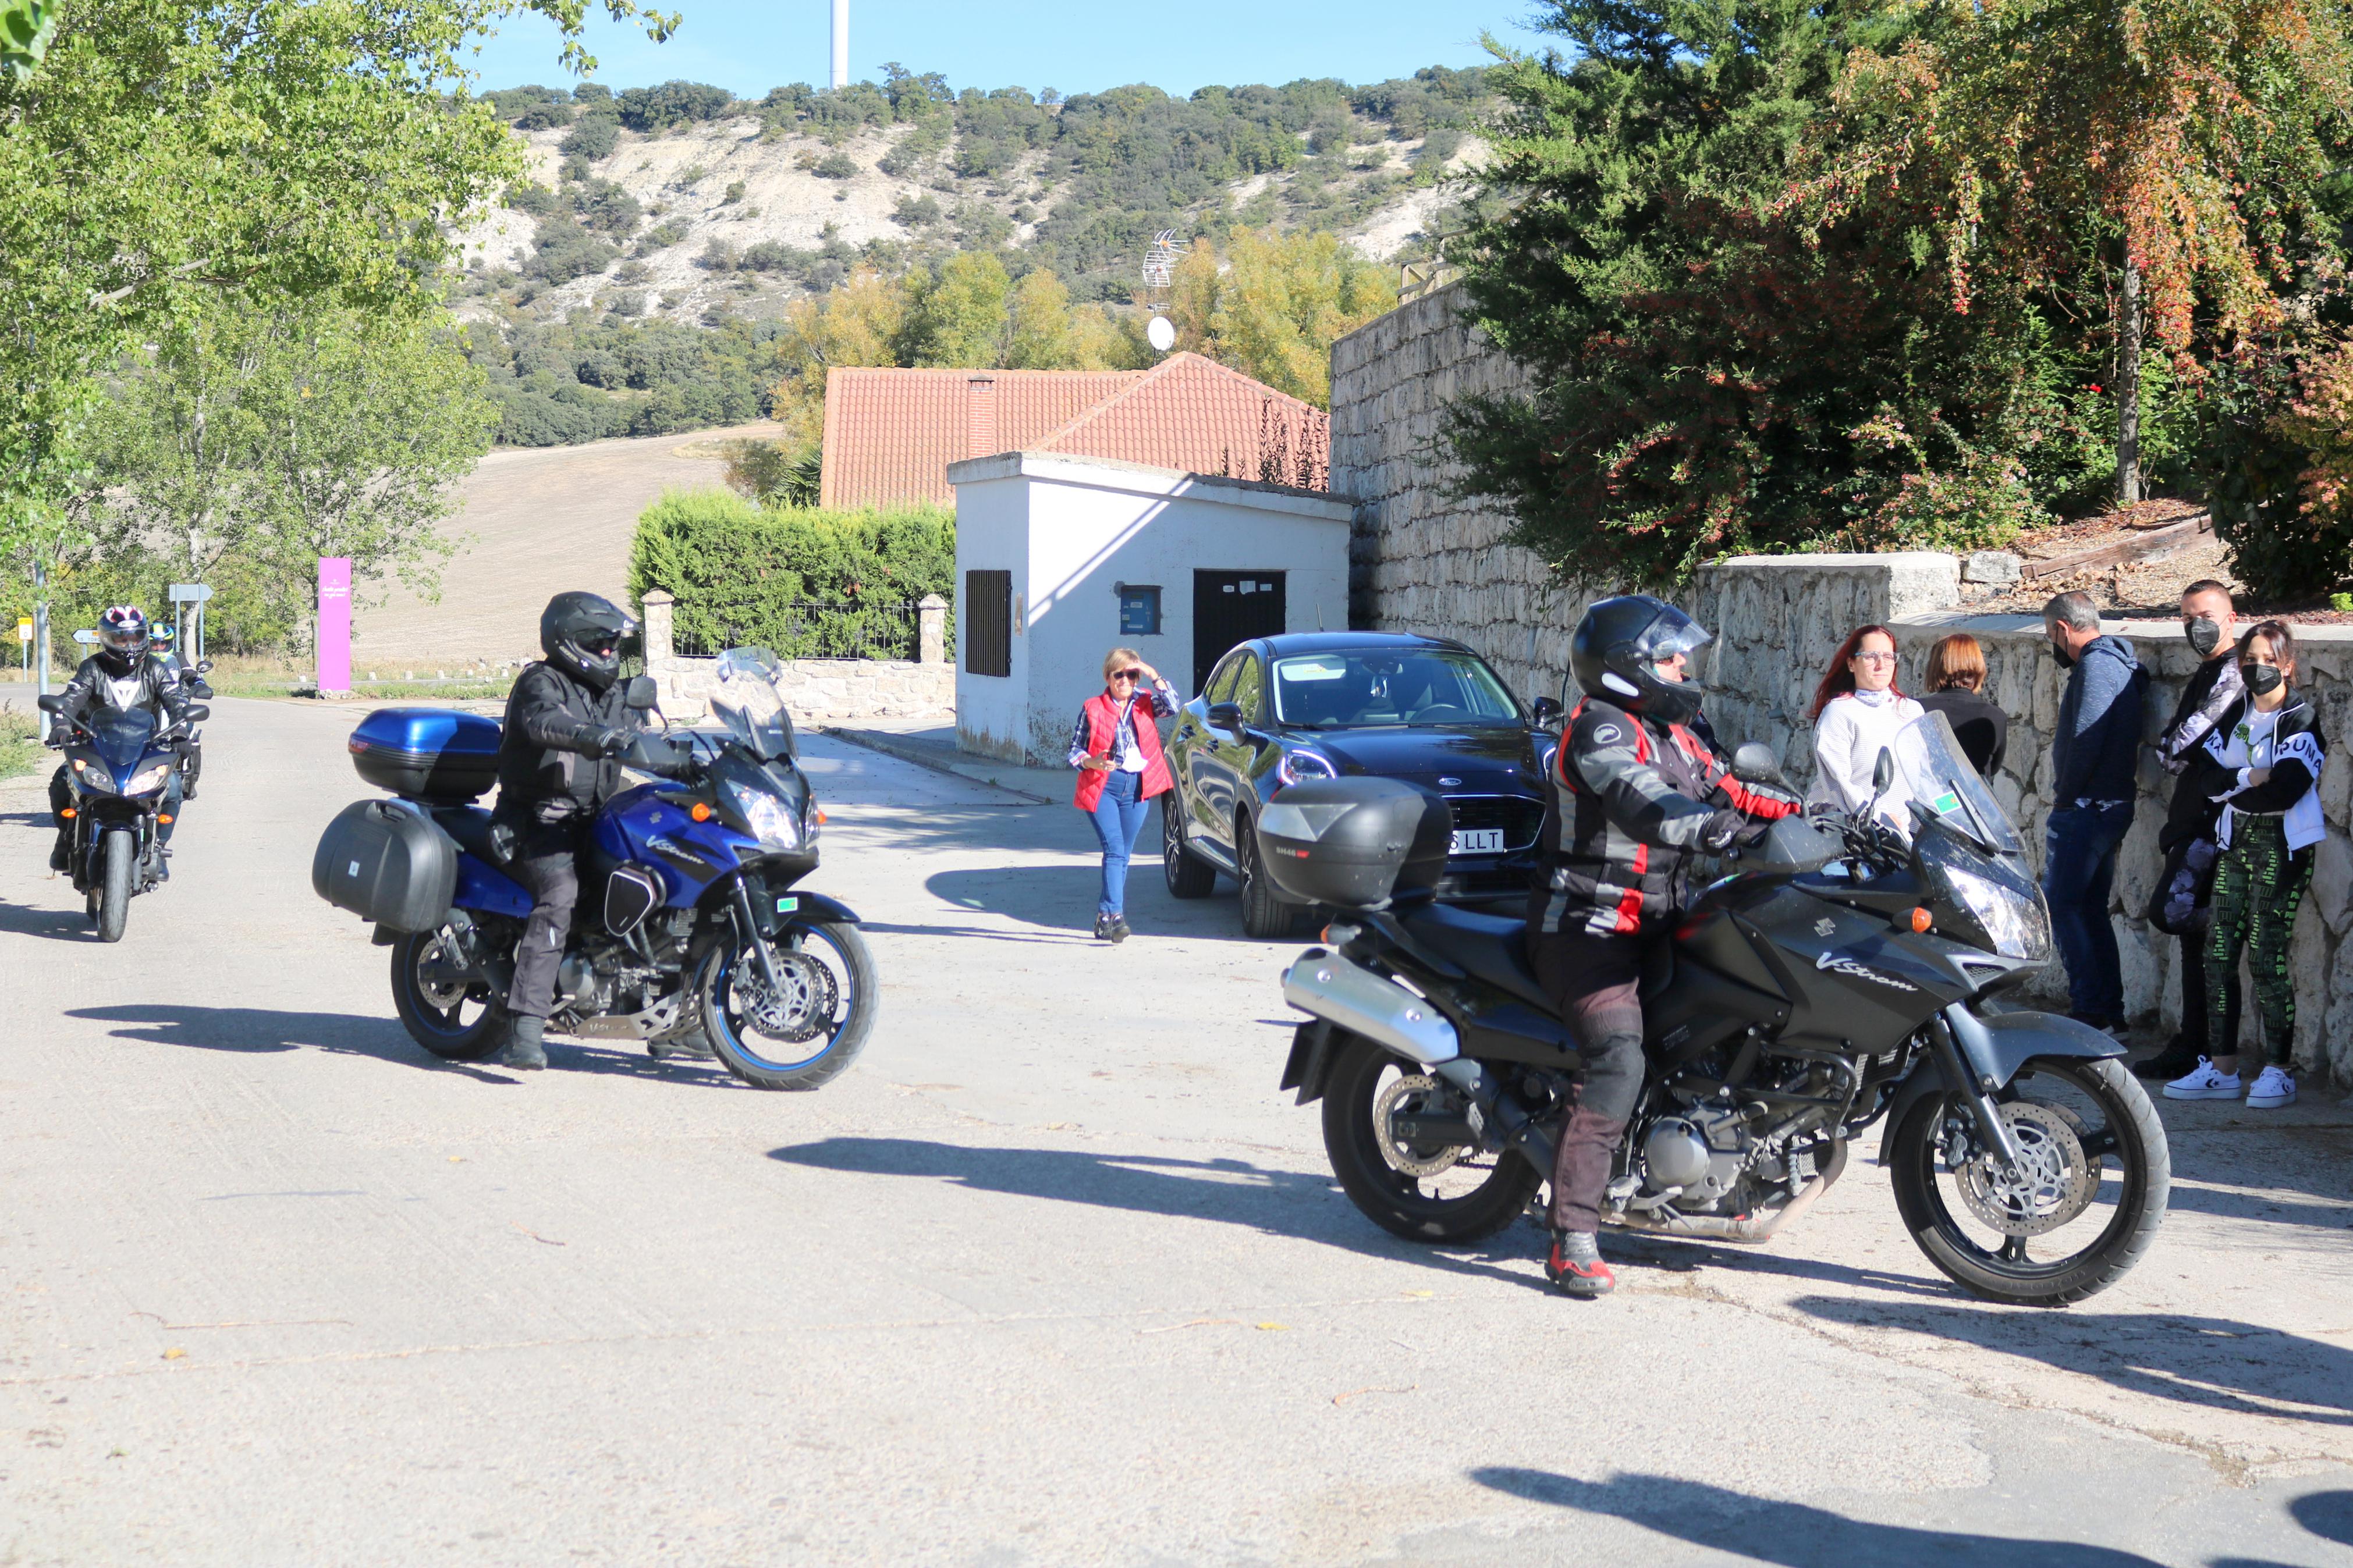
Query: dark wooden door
[[1232, 608]]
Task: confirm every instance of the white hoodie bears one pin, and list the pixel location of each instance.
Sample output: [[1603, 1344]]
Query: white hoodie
[[1848, 739]]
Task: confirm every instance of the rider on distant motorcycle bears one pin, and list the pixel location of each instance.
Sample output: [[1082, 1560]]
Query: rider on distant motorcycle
[[566, 721], [123, 676], [1639, 787]]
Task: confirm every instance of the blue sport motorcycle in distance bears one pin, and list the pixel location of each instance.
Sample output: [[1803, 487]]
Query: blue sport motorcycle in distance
[[692, 934], [123, 774]]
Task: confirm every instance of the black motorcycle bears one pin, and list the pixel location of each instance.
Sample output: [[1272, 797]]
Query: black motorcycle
[[121, 768], [1846, 974]]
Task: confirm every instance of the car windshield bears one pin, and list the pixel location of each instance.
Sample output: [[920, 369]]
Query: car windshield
[[748, 698], [1943, 785], [119, 735], [1374, 687]]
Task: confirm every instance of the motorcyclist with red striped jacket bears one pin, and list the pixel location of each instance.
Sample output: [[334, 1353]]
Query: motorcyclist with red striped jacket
[[1640, 788]]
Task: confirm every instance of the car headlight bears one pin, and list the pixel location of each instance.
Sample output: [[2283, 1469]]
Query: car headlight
[[770, 823], [1305, 765], [148, 778], [2018, 926]]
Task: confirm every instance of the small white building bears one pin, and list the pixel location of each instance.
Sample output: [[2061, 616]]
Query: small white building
[[1061, 558]]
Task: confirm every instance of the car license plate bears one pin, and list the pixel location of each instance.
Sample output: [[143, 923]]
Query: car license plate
[[1479, 841]]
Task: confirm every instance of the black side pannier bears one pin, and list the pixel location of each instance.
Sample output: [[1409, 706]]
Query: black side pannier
[[1354, 843], [386, 862]]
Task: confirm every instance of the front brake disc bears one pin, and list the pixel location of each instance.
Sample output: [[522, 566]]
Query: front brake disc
[[802, 1010], [2056, 1182]]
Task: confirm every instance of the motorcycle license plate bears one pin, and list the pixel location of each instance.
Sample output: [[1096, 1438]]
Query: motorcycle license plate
[[1479, 841]]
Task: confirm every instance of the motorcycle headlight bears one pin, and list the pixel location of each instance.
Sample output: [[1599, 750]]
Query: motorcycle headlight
[[2016, 924], [148, 778], [770, 823]]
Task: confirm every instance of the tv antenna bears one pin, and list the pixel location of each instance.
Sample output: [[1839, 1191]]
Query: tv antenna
[[1159, 273]]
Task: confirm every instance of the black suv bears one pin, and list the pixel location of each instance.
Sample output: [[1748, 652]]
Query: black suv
[[1425, 711]]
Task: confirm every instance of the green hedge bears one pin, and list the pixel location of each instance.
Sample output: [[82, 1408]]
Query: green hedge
[[749, 574]]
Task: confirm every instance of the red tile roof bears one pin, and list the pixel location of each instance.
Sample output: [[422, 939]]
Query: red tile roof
[[890, 435]]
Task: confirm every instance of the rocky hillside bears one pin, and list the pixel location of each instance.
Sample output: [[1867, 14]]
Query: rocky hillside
[[680, 202]]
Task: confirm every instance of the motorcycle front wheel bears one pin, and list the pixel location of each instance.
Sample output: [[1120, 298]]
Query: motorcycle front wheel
[[454, 1019], [119, 856], [2081, 1209], [1423, 1190], [804, 1034]]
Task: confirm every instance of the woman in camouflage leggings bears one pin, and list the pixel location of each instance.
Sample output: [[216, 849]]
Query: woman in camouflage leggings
[[2263, 761]]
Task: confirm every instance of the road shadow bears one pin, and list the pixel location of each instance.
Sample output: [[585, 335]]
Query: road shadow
[[58, 925], [1063, 898], [1231, 1192], [2265, 1208], [2217, 1364], [2312, 1157], [258, 1031], [1763, 1529]]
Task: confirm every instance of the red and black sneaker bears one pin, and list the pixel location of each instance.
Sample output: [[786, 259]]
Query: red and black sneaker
[[1575, 1267]]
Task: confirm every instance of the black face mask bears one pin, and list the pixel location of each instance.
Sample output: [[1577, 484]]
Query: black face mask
[[2262, 680], [2066, 660], [2204, 636]]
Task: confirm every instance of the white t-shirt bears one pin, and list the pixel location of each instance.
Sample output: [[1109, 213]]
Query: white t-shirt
[[2252, 742], [1848, 739]]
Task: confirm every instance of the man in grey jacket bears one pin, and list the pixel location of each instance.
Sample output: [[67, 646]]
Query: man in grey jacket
[[2094, 758]]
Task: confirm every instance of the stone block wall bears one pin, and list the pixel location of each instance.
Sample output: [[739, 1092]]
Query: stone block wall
[[1418, 560], [821, 689]]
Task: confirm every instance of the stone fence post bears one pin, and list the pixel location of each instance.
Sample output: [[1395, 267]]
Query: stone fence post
[[930, 637], [660, 607]]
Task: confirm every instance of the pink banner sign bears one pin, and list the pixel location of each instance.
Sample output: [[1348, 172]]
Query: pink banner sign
[[334, 623]]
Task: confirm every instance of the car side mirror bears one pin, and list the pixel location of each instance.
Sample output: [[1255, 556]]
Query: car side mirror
[[50, 702], [1755, 763], [642, 694], [1226, 716], [1548, 712]]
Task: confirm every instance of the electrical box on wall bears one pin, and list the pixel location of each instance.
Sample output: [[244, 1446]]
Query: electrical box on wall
[[1139, 610]]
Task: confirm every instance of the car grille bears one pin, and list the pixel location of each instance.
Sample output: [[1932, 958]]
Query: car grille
[[1520, 818]]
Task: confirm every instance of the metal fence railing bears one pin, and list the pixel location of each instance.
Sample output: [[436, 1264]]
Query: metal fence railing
[[814, 630]]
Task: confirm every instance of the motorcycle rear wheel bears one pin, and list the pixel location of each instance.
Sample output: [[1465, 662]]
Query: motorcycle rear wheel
[[2128, 1168], [120, 857], [1451, 1207], [802, 1041], [455, 1025]]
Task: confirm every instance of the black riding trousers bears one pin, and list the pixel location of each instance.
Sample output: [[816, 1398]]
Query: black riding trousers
[[544, 863]]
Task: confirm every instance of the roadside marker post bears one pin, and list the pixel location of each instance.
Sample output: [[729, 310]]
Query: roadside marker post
[[334, 624]]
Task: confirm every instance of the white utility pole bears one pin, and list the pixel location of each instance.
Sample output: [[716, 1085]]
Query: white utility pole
[[840, 44]]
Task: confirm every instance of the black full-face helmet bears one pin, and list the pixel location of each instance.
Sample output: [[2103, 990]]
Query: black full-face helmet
[[581, 635], [1619, 647], [124, 638]]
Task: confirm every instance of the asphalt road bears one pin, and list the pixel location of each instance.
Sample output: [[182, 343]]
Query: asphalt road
[[1052, 1276]]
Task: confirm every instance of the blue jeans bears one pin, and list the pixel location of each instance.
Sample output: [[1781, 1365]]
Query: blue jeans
[[2079, 868], [1118, 818]]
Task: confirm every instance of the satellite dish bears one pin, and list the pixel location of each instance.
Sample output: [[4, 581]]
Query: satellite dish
[[1161, 334]]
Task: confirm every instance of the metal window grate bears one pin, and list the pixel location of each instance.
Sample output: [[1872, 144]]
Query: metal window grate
[[988, 623]]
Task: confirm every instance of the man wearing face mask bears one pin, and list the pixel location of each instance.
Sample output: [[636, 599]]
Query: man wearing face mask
[[2094, 753], [2210, 622]]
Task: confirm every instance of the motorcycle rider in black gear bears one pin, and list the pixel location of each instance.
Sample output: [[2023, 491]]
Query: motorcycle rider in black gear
[[192, 683], [122, 675], [566, 720], [1639, 787]]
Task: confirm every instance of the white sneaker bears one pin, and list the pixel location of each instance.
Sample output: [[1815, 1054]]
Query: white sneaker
[[2204, 1081], [2274, 1088]]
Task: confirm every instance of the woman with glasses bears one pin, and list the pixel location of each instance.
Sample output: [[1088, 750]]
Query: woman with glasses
[[1115, 746], [1857, 712]]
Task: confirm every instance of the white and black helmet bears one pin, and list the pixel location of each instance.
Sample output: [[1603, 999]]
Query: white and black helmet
[[123, 637], [1619, 647]]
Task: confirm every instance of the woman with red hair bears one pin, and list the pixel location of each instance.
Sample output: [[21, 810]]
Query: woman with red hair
[[1857, 711]]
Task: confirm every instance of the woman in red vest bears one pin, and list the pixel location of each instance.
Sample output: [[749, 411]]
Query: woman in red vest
[[1116, 749]]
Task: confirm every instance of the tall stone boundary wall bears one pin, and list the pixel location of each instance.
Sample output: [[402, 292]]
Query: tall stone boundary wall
[[1417, 560], [820, 688], [1779, 619]]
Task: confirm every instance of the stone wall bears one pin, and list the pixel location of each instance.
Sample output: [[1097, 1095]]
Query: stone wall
[[1420, 561], [822, 690]]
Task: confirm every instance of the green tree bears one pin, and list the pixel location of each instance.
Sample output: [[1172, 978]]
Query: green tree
[[956, 315], [1272, 304]]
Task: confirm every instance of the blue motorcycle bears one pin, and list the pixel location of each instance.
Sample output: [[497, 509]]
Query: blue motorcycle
[[692, 934], [124, 780]]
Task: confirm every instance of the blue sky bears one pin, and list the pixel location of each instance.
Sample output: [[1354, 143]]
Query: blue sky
[[750, 47]]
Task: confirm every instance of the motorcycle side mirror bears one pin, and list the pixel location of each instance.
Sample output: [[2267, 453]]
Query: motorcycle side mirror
[[1883, 773], [1548, 712], [1226, 716], [642, 693], [1755, 763], [50, 702], [198, 713], [203, 666]]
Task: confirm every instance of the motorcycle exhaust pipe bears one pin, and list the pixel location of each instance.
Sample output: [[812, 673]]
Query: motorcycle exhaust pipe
[[1361, 1002], [1519, 1128]]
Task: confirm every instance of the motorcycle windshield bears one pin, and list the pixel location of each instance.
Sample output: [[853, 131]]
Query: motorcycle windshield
[[1945, 788], [119, 738], [748, 698]]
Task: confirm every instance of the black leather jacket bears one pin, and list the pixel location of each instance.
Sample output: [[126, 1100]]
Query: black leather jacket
[[150, 685], [549, 769]]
